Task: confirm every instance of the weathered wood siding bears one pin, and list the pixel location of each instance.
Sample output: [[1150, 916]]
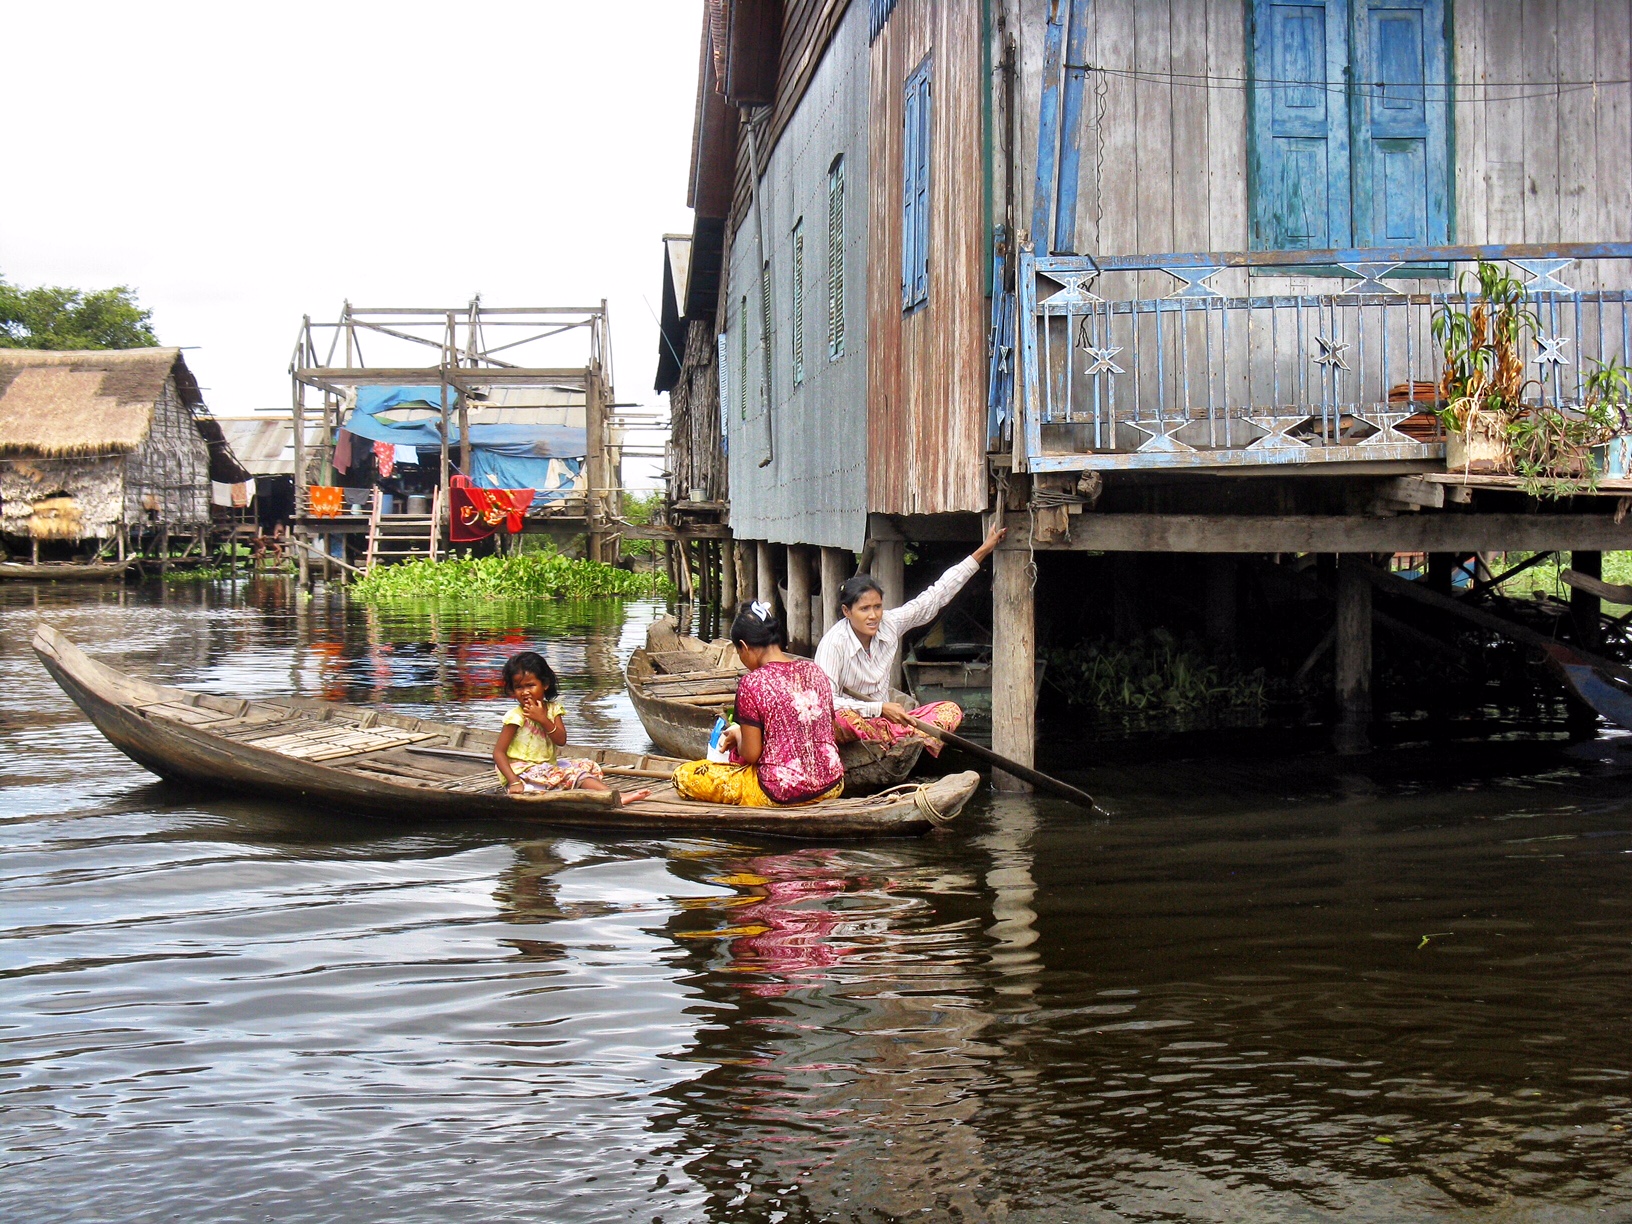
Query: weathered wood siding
[[1538, 155], [927, 367], [168, 476], [813, 490], [696, 458]]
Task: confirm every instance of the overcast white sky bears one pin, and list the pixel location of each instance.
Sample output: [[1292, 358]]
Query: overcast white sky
[[240, 165]]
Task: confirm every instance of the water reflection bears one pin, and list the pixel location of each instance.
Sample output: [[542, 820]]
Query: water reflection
[[1269, 988]]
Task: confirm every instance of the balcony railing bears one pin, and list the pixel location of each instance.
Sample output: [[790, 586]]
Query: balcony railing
[[1114, 378]]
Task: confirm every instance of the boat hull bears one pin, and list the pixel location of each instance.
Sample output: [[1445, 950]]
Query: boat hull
[[138, 718]]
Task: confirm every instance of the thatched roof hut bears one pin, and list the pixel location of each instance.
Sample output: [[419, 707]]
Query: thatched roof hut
[[92, 441]]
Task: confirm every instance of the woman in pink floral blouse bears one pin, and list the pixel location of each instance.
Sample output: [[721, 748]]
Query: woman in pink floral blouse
[[782, 748]]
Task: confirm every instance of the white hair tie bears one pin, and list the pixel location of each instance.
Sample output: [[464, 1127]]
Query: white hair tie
[[761, 609]]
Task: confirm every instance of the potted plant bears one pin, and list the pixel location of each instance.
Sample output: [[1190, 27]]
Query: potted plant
[[1481, 387], [1556, 448]]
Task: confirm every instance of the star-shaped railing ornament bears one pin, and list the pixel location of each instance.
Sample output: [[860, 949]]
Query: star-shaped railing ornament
[[1102, 363], [1074, 287], [1550, 353], [1544, 275], [1331, 353], [1194, 282]]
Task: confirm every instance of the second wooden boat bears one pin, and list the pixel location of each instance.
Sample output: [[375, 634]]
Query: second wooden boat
[[63, 571], [362, 761], [680, 685]]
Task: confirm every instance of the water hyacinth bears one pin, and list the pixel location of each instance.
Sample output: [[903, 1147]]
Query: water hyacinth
[[533, 575]]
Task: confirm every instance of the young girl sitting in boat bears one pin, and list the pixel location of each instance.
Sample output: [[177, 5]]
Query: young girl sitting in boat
[[535, 727], [782, 748]]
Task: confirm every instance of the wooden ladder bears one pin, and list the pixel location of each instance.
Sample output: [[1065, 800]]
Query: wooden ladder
[[401, 537]]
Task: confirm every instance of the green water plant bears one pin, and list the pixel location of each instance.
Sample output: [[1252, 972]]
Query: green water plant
[[531, 575], [1154, 680]]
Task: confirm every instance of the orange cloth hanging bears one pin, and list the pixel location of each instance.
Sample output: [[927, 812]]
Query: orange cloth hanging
[[326, 500]]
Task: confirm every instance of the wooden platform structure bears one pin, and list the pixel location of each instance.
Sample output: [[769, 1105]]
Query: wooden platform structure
[[464, 352]]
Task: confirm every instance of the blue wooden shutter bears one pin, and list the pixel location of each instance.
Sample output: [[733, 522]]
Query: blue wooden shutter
[[1300, 125], [915, 190], [1401, 142]]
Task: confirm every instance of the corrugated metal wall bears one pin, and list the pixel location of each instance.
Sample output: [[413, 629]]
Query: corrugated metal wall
[[927, 367], [814, 490], [1538, 156]]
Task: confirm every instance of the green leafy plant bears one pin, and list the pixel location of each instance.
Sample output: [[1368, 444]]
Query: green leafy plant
[[1155, 680], [1482, 390], [531, 575], [1482, 345]]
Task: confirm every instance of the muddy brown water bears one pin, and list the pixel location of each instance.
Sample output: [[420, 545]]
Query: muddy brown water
[[1274, 986]]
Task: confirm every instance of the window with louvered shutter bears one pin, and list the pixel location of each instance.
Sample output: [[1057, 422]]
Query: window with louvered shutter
[[835, 259], [799, 301], [915, 190], [742, 359], [765, 325]]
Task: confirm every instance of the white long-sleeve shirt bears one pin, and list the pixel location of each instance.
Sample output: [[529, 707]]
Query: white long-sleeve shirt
[[861, 674]]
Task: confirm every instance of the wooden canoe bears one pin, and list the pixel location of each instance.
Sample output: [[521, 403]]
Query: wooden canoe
[[678, 708], [372, 762], [75, 571]]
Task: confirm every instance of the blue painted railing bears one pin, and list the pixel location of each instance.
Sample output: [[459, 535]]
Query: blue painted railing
[[1113, 378]]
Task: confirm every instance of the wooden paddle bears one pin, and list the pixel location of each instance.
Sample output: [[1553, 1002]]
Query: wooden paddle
[[1041, 780]]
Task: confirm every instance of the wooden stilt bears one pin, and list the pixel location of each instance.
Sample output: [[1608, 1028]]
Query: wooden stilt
[[728, 578], [799, 598], [1586, 609], [836, 567], [1221, 601], [890, 568], [1440, 565], [765, 586], [1353, 656], [1014, 665]]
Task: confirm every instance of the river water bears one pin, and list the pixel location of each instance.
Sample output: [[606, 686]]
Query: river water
[[1274, 986]]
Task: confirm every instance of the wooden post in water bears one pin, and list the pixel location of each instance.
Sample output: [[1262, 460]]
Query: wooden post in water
[[765, 574], [1014, 664], [728, 579], [836, 567], [1352, 657], [1220, 569], [1586, 609], [799, 598]]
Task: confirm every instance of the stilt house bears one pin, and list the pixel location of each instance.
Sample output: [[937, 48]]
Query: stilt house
[[105, 446], [1147, 276]]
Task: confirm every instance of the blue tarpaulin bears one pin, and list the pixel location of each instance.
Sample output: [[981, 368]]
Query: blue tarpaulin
[[517, 455]]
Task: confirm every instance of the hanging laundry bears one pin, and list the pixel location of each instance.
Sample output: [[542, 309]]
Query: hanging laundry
[[236, 495], [342, 450], [476, 513], [385, 458], [407, 454], [326, 501]]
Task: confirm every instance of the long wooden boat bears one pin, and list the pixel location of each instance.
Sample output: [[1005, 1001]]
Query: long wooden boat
[[680, 692], [373, 762], [76, 571], [1610, 695]]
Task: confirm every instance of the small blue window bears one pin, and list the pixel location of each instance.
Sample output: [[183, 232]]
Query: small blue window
[[915, 190]]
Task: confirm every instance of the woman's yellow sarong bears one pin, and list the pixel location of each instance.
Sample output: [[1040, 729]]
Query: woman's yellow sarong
[[717, 782]]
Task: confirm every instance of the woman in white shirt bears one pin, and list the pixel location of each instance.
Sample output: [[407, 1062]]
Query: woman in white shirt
[[859, 653]]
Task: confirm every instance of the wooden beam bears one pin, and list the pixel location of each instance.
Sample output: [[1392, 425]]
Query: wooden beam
[[1014, 665], [837, 565], [1353, 645], [1308, 533], [799, 598]]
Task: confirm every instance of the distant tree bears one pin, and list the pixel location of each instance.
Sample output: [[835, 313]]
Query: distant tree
[[54, 317]]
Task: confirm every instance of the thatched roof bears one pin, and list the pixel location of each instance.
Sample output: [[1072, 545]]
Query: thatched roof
[[57, 405]]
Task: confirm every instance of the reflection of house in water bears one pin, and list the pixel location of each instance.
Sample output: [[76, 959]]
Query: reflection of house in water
[[857, 990]]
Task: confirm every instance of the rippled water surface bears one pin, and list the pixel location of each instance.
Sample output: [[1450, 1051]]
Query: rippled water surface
[[1277, 988]]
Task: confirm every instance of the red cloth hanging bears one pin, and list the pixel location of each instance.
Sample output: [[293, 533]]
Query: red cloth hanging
[[385, 458], [476, 513]]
